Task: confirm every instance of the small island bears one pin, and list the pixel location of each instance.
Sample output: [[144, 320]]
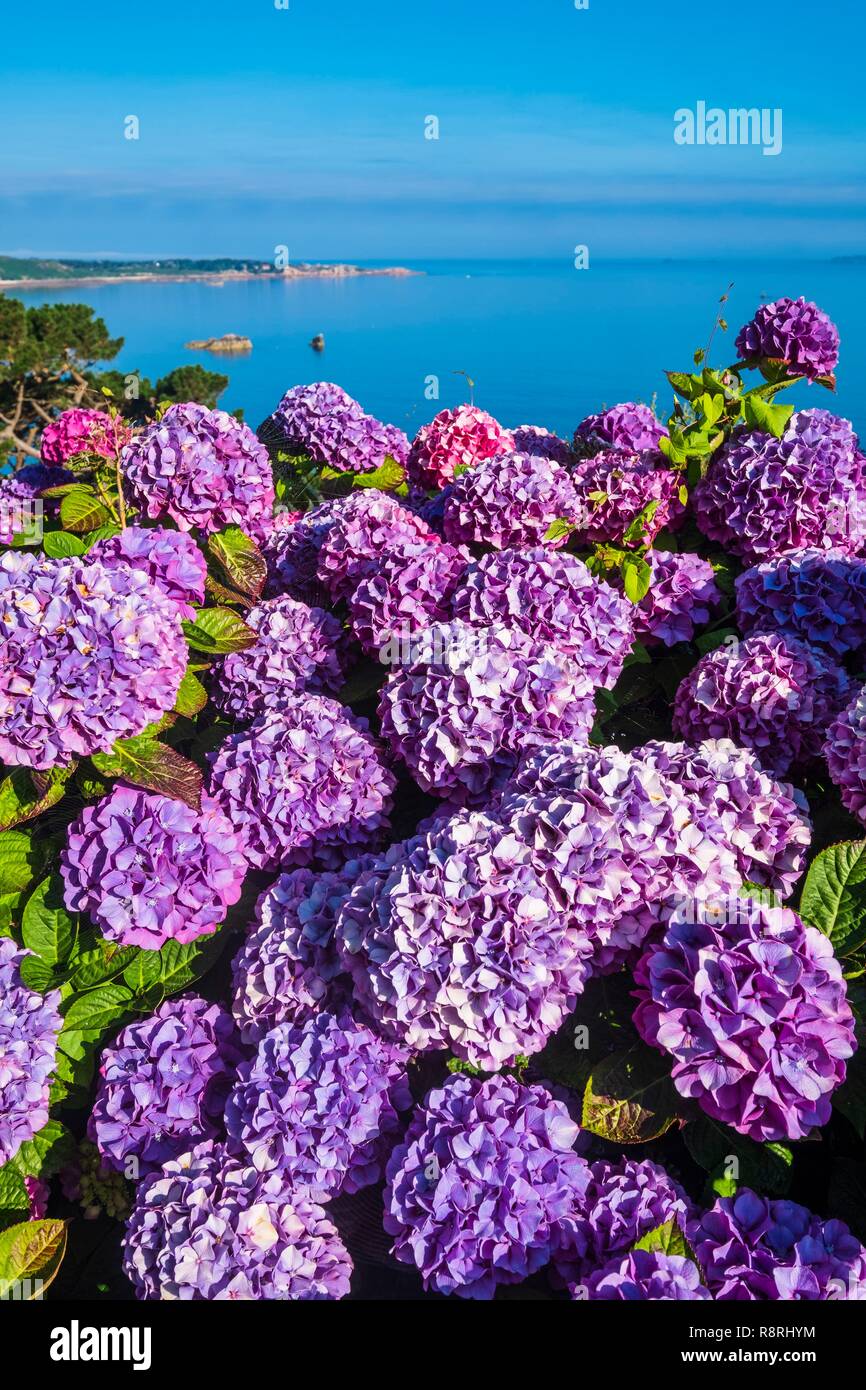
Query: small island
[[22, 273], [228, 343]]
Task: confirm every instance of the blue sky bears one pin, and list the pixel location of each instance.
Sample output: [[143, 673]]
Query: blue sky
[[261, 127]]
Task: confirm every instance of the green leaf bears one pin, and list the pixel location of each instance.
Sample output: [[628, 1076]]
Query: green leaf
[[712, 407], [667, 1239], [46, 1153], [58, 544], [103, 963], [766, 1167], [99, 1009], [388, 476], [218, 631], [634, 532], [20, 860], [181, 965], [558, 529], [38, 975], [686, 385], [636, 577], [80, 511], [14, 1198], [143, 972], [47, 928], [629, 1098], [240, 558], [151, 764], [102, 533], [834, 895], [21, 799], [191, 697], [761, 415], [31, 1251]]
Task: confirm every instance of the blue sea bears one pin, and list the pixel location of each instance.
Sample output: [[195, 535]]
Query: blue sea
[[543, 342]]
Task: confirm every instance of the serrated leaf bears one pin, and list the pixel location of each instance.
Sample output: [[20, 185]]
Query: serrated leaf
[[20, 860], [219, 631], [143, 972], [629, 1098], [48, 930], [22, 801], [181, 965], [98, 1009], [59, 544], [32, 1251], [240, 558], [81, 511], [686, 385], [191, 696], [38, 975], [101, 533], [153, 765], [636, 578], [388, 476], [14, 1198], [667, 1239], [761, 415], [46, 1153], [834, 895], [95, 967], [558, 530]]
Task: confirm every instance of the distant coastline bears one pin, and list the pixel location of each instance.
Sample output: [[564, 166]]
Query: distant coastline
[[19, 273]]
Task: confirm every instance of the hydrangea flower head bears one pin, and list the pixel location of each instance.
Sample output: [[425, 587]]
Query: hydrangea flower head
[[298, 649], [163, 1083], [21, 506], [208, 1226], [148, 869], [170, 559], [454, 440], [79, 431], [794, 332], [613, 490], [325, 423], [681, 598], [845, 751], [29, 1025], [648, 1275], [480, 1188], [532, 439], [405, 595], [629, 428], [509, 500], [202, 468], [817, 596], [751, 1005], [291, 551], [319, 1103], [370, 527]]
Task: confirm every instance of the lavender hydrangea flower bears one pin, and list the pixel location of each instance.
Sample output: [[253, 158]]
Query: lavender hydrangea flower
[[21, 506], [478, 1191], [208, 1226], [750, 1247], [553, 598], [794, 332], [170, 559], [292, 553], [629, 428], [766, 823], [762, 496], [612, 490], [454, 440], [79, 431], [288, 968], [648, 1275], [368, 528], [770, 693], [845, 751], [472, 699], [298, 649], [817, 596], [163, 1085], [303, 782], [751, 1005], [532, 439], [29, 1025], [330, 427], [203, 468], [681, 598], [88, 656], [148, 869], [405, 596], [510, 500], [320, 1104], [462, 942], [623, 1201]]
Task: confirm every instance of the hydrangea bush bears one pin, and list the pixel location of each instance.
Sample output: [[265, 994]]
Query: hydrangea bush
[[424, 867]]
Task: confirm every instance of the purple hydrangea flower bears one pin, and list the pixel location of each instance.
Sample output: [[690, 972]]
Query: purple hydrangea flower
[[163, 1085], [21, 506], [553, 598], [479, 1190], [302, 782], [148, 869], [330, 427], [404, 596], [88, 655], [471, 699], [288, 968], [766, 823], [750, 1247], [170, 559], [29, 1025], [298, 649], [510, 500], [794, 332], [320, 1104], [681, 598], [770, 693], [203, 468], [370, 527], [532, 439], [817, 596], [629, 428], [648, 1275], [454, 440], [622, 1202], [209, 1226], [462, 942], [612, 490], [762, 496], [751, 1005], [845, 751], [38, 1193], [79, 431], [292, 552]]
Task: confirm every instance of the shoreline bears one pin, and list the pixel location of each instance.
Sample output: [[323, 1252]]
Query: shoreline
[[324, 272]]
